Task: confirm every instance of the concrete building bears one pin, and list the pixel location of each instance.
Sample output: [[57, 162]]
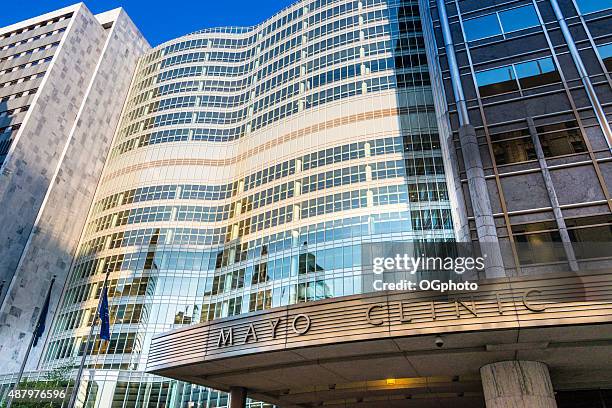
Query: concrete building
[[249, 166], [63, 79], [521, 91], [253, 169]]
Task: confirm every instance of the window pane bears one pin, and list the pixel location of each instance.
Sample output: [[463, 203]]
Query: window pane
[[536, 242], [481, 27], [605, 51], [536, 73], [496, 81], [592, 242], [519, 18], [513, 151], [561, 138], [562, 143], [589, 6]]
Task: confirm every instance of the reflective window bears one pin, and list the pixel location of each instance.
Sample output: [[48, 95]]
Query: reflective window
[[561, 138], [513, 151], [536, 73], [502, 22], [519, 18], [512, 146], [496, 81], [605, 52], [591, 236], [481, 27], [529, 236], [529, 74], [589, 6]]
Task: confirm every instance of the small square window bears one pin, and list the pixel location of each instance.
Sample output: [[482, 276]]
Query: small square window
[[605, 52], [537, 73], [519, 18], [496, 81], [481, 27], [590, 6]]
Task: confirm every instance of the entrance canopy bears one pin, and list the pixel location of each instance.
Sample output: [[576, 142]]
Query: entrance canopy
[[401, 349]]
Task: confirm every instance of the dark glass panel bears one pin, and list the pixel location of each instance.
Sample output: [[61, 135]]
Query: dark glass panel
[[537, 73], [496, 81], [481, 27], [519, 18], [513, 151], [605, 51], [589, 6]]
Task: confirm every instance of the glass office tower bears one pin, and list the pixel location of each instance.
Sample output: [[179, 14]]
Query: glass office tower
[[249, 167]]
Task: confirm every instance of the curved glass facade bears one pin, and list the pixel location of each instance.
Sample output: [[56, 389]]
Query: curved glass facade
[[249, 167]]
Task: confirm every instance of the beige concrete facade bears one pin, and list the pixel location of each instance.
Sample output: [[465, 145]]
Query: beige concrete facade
[[55, 159]]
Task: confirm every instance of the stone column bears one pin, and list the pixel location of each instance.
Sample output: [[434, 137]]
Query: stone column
[[481, 203], [517, 384], [237, 397]]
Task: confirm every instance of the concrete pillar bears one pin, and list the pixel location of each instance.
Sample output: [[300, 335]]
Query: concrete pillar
[[370, 198], [517, 384], [479, 195], [368, 172], [237, 397], [297, 212], [297, 189], [235, 231], [481, 203]]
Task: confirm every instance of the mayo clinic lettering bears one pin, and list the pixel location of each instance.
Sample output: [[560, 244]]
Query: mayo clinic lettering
[[226, 336], [300, 324]]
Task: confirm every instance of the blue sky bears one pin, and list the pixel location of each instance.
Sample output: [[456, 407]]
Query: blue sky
[[158, 20]]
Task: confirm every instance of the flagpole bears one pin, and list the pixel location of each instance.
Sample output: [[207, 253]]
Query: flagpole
[[34, 334], [77, 381]]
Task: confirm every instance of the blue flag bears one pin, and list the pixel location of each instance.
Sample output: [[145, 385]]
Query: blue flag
[[104, 317], [42, 319]]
